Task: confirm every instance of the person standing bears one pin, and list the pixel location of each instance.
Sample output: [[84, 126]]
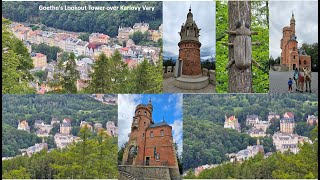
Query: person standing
[[290, 82], [296, 77]]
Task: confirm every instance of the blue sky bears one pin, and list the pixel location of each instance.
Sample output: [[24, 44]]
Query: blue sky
[[167, 106], [175, 14]]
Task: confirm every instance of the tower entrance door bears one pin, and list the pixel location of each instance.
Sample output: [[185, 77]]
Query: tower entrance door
[[147, 161]]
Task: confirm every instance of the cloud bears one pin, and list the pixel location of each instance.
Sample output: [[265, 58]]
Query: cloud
[[177, 134], [126, 107], [175, 14], [306, 16], [178, 106]]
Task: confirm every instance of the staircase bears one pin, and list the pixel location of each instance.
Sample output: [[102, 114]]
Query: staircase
[[126, 176]]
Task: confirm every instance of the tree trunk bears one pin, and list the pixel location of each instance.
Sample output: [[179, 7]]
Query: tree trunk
[[240, 81]]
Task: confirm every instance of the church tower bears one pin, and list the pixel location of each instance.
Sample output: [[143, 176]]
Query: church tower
[[189, 47]]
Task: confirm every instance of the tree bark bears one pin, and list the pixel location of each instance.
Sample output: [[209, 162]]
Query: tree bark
[[240, 81]]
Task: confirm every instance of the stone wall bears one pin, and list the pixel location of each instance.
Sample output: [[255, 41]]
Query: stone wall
[[148, 173]]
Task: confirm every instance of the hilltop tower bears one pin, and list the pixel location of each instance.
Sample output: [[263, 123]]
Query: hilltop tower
[[150, 144], [291, 56]]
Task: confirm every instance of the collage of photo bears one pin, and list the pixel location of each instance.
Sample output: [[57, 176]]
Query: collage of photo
[[160, 90]]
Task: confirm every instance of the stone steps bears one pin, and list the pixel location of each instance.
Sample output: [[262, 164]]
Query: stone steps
[[127, 175]]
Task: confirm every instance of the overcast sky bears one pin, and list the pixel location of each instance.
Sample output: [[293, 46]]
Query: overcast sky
[[306, 16], [175, 14], [165, 106]]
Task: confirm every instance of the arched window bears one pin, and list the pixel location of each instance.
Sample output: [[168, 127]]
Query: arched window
[[143, 135], [144, 123], [305, 61], [151, 134], [145, 112]]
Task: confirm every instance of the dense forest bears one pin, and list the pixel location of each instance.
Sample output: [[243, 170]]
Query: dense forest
[[13, 140], [94, 157], [303, 165], [107, 21], [205, 142], [260, 53], [204, 116], [45, 107]]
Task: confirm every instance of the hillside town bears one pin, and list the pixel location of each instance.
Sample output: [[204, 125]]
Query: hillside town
[[64, 135], [86, 52], [285, 139]]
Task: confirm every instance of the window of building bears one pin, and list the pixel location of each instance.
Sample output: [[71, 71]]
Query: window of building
[[138, 112], [294, 57], [143, 135], [294, 48], [145, 113], [305, 61], [161, 133], [151, 134], [299, 61], [144, 123]]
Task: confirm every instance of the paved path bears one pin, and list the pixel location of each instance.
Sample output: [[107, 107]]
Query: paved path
[[168, 87], [279, 82]]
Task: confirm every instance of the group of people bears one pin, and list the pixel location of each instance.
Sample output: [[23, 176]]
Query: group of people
[[301, 76]]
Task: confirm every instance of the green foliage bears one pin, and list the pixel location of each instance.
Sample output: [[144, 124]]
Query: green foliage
[[106, 22], [40, 75], [312, 50], [33, 107], [16, 63], [302, 165], [104, 74], [210, 65], [303, 129], [259, 53], [137, 37], [207, 142], [84, 36], [71, 74], [93, 158], [13, 140], [16, 174], [112, 75], [49, 51]]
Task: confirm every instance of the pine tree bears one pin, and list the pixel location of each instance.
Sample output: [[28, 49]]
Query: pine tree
[[71, 74], [101, 76]]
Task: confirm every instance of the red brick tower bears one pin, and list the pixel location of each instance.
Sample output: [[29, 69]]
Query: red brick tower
[[189, 47], [149, 144], [291, 56], [188, 70]]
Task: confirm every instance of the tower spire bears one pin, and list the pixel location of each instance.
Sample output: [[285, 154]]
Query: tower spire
[[150, 101]]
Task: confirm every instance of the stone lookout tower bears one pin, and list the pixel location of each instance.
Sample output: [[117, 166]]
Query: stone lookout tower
[[188, 71]]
